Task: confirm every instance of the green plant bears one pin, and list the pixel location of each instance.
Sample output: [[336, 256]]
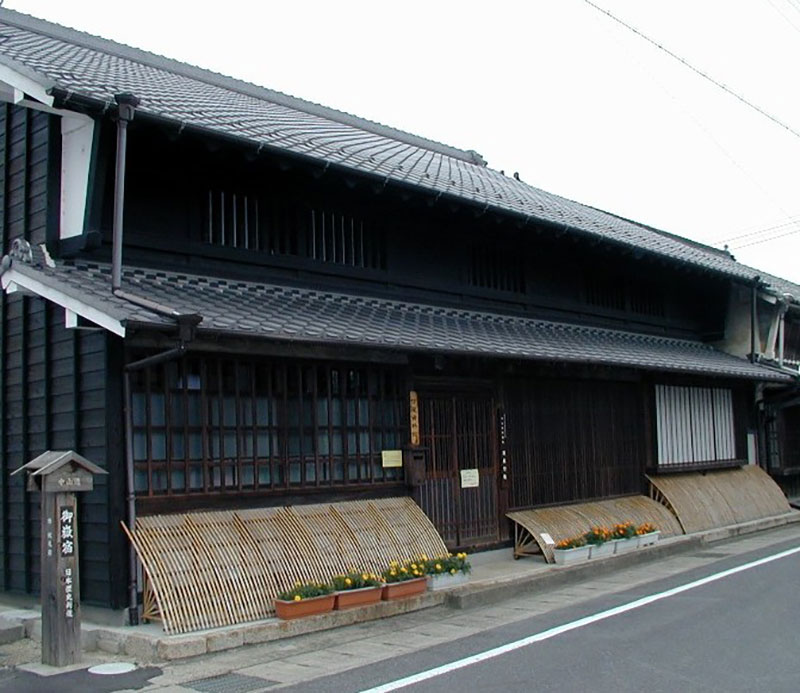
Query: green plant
[[355, 580], [598, 535], [305, 590], [624, 530], [450, 564], [400, 572], [572, 542]]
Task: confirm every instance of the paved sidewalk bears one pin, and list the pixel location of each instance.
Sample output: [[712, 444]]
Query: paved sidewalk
[[501, 591]]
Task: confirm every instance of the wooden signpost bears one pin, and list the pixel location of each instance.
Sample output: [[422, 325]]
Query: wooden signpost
[[59, 475]]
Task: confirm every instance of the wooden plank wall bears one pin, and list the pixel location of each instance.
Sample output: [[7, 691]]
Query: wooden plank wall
[[572, 440], [53, 391]]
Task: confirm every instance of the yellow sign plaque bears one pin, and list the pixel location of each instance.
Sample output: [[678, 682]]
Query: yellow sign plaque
[[413, 408], [392, 458]]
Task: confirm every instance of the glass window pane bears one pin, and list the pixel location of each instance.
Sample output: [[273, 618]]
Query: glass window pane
[[159, 445], [139, 409], [140, 445], [157, 413]]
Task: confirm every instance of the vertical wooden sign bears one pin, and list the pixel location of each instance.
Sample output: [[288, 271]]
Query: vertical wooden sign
[[61, 621], [413, 408], [57, 475]]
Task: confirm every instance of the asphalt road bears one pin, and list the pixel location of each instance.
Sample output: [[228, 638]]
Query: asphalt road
[[736, 633]]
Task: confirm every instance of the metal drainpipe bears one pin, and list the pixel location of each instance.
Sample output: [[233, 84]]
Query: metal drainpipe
[[753, 308], [133, 583], [127, 104]]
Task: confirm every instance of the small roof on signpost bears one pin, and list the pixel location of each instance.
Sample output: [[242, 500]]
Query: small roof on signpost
[[53, 460]]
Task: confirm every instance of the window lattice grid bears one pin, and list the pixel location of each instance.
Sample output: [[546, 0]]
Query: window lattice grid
[[224, 425]]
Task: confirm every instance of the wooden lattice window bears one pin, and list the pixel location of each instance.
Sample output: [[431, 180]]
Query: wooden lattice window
[[276, 227], [211, 425], [496, 267]]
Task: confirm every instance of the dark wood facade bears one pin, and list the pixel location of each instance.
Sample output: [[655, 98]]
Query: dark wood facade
[[55, 392], [244, 423]]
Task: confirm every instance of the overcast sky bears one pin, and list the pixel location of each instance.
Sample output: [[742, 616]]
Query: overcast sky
[[554, 89]]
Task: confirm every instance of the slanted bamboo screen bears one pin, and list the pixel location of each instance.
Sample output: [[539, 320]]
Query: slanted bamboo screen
[[214, 569], [564, 521], [704, 500]]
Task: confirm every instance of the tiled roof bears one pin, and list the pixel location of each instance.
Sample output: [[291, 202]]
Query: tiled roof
[[282, 313], [96, 68]]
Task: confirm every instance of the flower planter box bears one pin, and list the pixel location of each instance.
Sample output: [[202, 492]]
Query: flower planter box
[[649, 539], [305, 607], [567, 556], [602, 550], [407, 588], [626, 545], [350, 599], [446, 580]]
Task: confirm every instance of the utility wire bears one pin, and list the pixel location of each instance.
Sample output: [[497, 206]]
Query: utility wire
[[697, 71], [784, 15], [759, 231], [767, 240]]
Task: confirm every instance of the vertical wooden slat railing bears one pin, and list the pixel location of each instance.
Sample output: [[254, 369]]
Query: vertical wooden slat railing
[[221, 568]]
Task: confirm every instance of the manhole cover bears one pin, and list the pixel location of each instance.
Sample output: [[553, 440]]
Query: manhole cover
[[229, 683], [112, 668]]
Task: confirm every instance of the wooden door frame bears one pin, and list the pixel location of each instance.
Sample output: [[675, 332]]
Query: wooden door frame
[[452, 388]]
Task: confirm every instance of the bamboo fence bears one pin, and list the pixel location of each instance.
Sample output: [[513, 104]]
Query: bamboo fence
[[204, 570], [705, 500], [562, 522]]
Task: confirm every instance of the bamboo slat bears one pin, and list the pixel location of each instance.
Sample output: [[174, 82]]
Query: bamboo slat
[[562, 522], [705, 500], [221, 568]]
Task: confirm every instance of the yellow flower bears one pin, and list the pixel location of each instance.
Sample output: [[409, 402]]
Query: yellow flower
[[424, 557], [392, 572], [298, 583], [297, 598], [439, 567], [453, 571], [414, 566], [364, 576], [348, 581]]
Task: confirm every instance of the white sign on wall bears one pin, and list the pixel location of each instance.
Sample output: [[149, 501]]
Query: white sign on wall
[[469, 478]]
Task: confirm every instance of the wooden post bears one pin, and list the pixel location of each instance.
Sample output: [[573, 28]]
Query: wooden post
[[59, 475], [60, 584]]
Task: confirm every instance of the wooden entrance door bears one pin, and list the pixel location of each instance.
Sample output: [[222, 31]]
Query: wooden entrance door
[[459, 430]]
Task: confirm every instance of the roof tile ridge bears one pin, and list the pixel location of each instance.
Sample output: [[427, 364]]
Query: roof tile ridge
[[60, 32]]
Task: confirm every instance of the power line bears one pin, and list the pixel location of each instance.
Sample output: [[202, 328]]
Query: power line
[[784, 15], [767, 240], [697, 71], [760, 231]]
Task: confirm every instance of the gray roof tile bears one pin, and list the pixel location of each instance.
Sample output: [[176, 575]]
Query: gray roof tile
[[326, 317], [97, 68]]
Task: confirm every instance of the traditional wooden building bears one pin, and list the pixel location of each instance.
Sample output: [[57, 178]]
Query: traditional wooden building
[[305, 296]]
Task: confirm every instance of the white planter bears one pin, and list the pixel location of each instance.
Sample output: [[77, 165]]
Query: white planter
[[446, 580], [568, 556], [649, 539], [626, 545], [603, 550]]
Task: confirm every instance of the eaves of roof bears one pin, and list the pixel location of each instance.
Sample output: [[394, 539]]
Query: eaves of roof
[[301, 315]]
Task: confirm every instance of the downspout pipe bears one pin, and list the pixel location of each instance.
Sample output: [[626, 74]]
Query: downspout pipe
[[753, 318], [126, 107], [186, 329]]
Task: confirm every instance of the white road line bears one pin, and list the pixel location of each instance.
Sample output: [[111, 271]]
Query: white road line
[[565, 628]]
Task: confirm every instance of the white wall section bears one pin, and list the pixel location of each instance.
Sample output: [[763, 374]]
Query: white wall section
[[77, 134]]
